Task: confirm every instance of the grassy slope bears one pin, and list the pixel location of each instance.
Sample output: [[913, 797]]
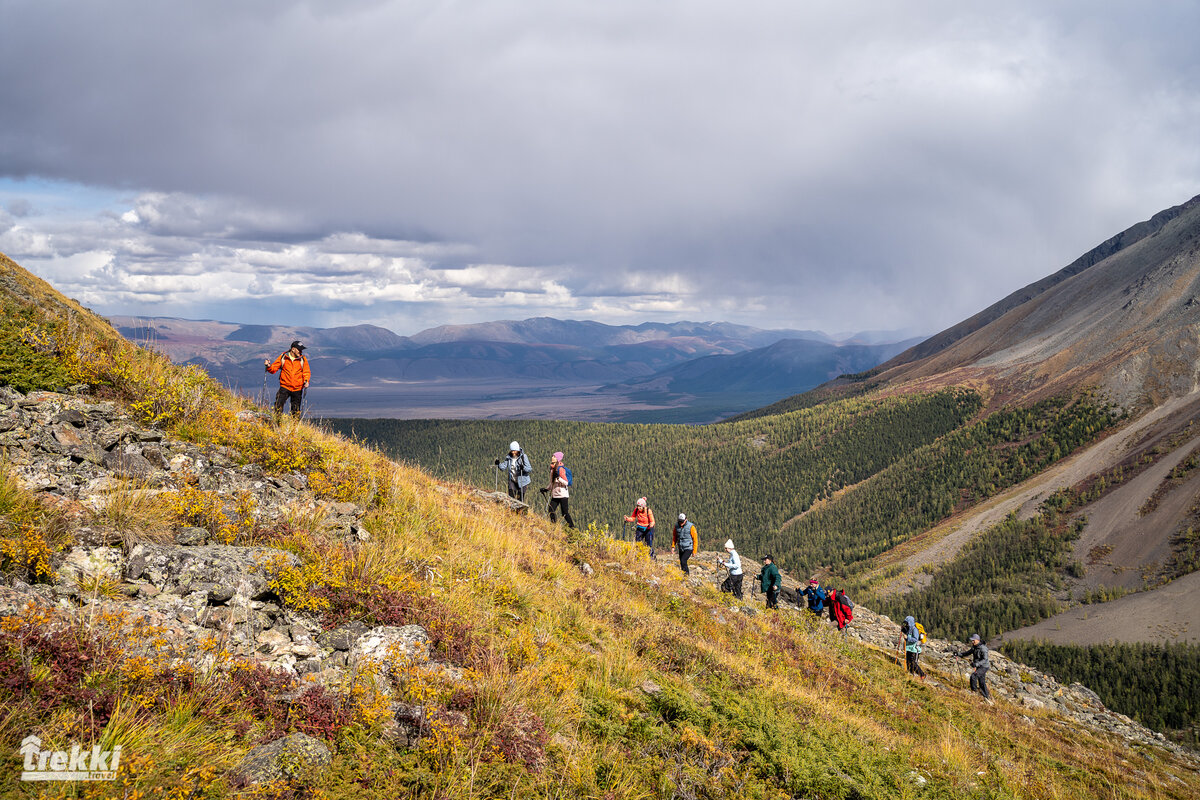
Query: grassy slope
[[763, 706]]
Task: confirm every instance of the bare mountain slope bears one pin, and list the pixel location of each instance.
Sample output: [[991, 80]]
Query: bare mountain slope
[[1127, 322]]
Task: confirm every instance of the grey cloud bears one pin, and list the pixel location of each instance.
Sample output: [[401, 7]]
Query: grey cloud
[[784, 157]]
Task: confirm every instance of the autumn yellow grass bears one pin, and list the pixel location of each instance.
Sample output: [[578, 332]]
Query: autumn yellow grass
[[619, 682]]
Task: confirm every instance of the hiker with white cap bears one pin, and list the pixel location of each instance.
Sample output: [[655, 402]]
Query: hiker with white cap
[[643, 524], [685, 538], [733, 581], [560, 479], [518, 467], [981, 663]]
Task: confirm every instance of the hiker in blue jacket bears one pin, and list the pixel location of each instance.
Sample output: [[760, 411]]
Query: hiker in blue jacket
[[518, 468], [911, 639], [816, 596]]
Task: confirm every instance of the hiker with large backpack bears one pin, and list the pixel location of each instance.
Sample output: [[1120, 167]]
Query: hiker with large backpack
[[981, 664], [560, 479], [685, 538], [841, 609], [912, 637], [770, 581], [519, 469], [816, 596], [294, 376], [733, 581], [643, 524]]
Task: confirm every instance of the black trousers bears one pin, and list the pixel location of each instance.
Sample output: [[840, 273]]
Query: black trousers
[[561, 502], [283, 395], [684, 555], [910, 661], [516, 491], [773, 598], [733, 584], [979, 682]]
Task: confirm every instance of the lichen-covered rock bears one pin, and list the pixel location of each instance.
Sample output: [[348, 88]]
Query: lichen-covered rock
[[343, 637], [246, 571], [386, 645], [295, 759], [89, 563]]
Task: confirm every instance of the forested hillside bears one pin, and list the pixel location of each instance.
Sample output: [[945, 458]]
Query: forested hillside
[[741, 479], [912, 455], [932, 482], [1158, 685]]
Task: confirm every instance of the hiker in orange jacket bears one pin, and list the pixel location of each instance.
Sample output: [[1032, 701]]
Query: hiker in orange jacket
[[643, 524], [294, 375]]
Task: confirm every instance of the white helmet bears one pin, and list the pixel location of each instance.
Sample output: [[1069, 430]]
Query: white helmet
[[514, 445]]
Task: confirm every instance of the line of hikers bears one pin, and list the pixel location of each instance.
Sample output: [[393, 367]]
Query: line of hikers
[[912, 641], [685, 541], [519, 468]]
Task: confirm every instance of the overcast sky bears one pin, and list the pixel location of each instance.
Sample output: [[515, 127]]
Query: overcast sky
[[831, 165]]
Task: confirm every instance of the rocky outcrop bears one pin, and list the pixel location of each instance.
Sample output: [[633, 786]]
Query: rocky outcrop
[[293, 759], [95, 454]]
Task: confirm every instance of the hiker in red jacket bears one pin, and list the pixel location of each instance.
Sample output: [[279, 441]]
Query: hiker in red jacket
[[841, 609], [294, 375]]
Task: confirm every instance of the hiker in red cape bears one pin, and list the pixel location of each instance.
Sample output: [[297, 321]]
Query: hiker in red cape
[[559, 494], [841, 608], [294, 375], [643, 524]]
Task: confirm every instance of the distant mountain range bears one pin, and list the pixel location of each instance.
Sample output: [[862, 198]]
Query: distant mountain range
[[717, 367]]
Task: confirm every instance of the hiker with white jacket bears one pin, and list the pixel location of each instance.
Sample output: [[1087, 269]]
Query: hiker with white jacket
[[733, 581], [518, 468]]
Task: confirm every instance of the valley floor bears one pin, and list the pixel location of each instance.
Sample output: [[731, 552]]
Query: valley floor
[[1169, 613]]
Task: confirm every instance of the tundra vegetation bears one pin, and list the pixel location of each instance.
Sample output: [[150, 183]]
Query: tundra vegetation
[[622, 681]]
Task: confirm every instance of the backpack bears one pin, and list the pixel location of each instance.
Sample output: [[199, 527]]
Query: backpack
[[567, 472], [920, 633]]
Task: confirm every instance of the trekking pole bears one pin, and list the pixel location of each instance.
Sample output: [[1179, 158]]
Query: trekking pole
[[496, 478]]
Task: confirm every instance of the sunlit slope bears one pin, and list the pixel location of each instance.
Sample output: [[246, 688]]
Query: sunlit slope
[[618, 681]]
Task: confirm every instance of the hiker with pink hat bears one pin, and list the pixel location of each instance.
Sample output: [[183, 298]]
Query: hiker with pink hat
[[560, 479]]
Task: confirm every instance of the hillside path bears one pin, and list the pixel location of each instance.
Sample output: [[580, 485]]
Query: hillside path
[[946, 540]]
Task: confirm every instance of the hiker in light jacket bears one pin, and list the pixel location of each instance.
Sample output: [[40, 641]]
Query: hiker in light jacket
[[559, 496], [685, 538], [816, 596], [770, 581], [981, 664], [518, 468], [643, 524], [733, 581], [910, 638]]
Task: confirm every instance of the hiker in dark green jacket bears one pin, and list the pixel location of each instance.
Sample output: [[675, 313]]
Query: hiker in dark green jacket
[[770, 581]]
